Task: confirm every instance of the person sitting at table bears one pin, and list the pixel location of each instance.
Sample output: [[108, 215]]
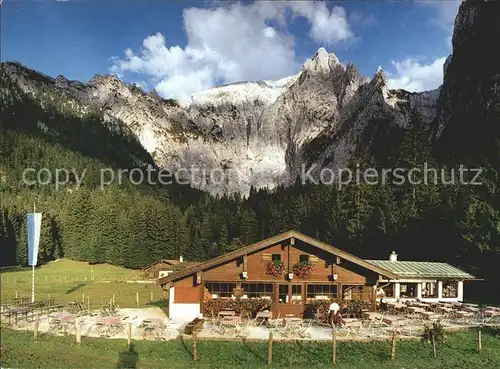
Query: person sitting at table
[[383, 304]]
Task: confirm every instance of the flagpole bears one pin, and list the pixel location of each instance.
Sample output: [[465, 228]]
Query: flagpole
[[33, 269]]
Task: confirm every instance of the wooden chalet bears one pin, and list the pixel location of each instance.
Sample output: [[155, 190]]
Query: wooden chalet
[[160, 269], [166, 267], [290, 269]]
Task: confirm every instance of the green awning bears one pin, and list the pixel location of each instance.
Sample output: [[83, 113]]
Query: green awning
[[422, 269]]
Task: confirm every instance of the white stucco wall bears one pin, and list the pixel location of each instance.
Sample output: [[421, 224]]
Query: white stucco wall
[[181, 312]]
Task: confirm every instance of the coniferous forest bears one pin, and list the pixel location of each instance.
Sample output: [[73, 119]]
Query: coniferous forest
[[136, 225]]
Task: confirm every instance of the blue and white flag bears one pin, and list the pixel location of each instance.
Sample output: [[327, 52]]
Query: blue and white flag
[[34, 226]]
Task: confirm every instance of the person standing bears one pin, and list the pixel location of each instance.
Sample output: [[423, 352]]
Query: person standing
[[333, 315]]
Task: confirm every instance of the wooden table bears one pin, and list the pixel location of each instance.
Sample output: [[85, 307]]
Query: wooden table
[[292, 320], [491, 313], [393, 320], [463, 314], [430, 315], [371, 315], [444, 309], [22, 311], [61, 320], [225, 313], [471, 309], [232, 320], [352, 323], [265, 316], [416, 310], [109, 325]]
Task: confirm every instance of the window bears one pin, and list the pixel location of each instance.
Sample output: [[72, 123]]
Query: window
[[276, 257], [257, 290], [388, 290], [429, 289], [220, 289], [296, 294], [321, 291], [408, 290], [304, 259], [354, 293], [450, 289], [283, 294]]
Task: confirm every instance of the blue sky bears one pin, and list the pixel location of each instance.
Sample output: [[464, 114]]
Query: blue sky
[[180, 47]]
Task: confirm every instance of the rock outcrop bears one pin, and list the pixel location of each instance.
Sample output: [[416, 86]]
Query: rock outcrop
[[251, 133], [470, 94]]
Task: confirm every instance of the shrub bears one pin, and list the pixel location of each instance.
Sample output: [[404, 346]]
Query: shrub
[[320, 308], [240, 306], [436, 330]]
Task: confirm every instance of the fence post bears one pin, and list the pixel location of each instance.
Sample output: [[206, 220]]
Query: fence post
[[16, 294], [433, 344], [88, 303], [137, 298], [151, 296], [334, 345], [195, 347], [270, 349], [129, 336], [479, 340], [37, 323], [113, 298], [83, 297], [78, 331], [393, 352]]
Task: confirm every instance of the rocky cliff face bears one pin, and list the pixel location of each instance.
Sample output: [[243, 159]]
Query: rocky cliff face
[[262, 133], [247, 134], [470, 94]]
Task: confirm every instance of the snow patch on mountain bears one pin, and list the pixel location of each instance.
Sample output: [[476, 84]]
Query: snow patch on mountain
[[259, 93]]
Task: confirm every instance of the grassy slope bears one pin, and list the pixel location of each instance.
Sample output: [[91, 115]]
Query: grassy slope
[[459, 351], [65, 281]]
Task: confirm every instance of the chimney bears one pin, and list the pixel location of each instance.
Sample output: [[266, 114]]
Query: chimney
[[181, 259], [393, 256]]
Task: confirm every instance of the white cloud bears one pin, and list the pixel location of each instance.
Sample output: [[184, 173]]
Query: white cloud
[[413, 76], [444, 16], [232, 43], [327, 26], [446, 11]]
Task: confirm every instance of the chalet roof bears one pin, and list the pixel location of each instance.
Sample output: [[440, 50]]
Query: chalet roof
[[269, 242], [422, 269], [162, 261]]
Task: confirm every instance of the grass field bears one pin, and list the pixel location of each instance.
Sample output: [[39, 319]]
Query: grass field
[[67, 280], [19, 350]]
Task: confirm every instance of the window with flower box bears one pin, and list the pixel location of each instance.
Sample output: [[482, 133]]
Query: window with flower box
[[303, 258]]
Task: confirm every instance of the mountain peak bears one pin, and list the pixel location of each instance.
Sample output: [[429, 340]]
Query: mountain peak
[[322, 62]]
